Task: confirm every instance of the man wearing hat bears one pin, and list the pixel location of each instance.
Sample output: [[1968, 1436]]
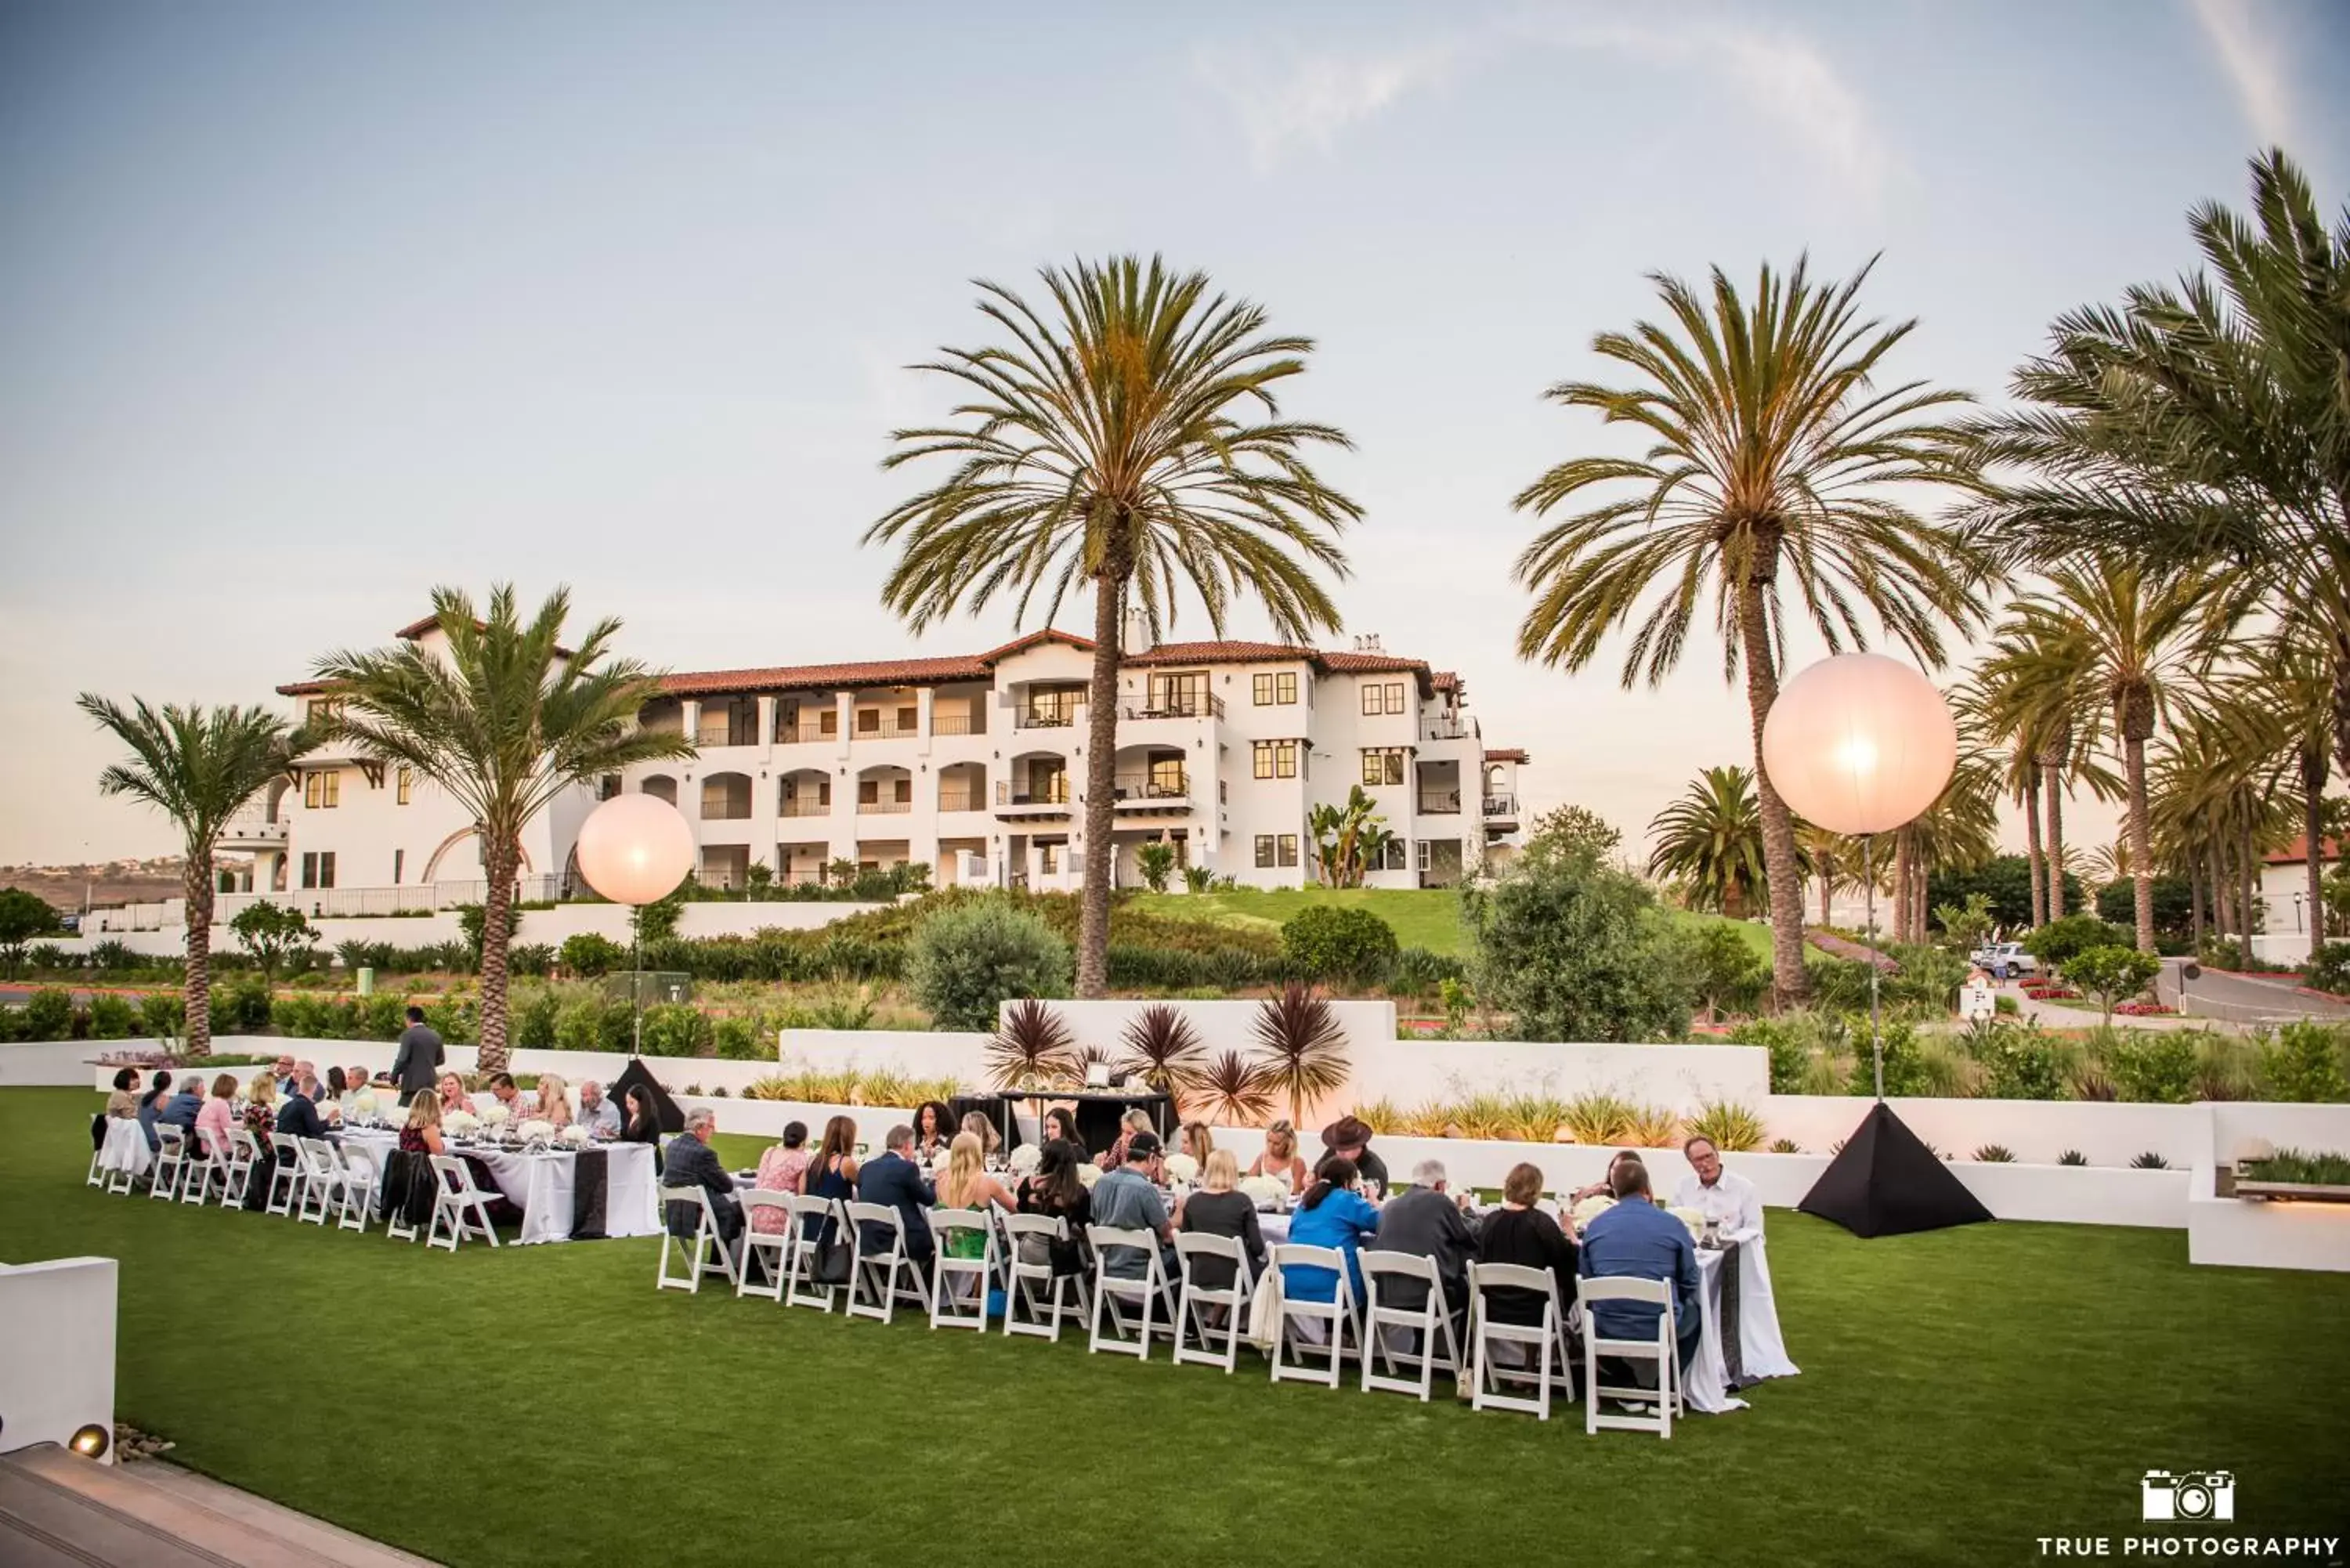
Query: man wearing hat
[[1126, 1200], [1351, 1137]]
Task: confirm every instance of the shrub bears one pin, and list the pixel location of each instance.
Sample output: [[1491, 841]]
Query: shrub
[[2072, 1156], [49, 1014], [962, 962], [1720, 969], [1331, 941], [162, 1015], [589, 954], [1726, 1126], [1195, 879], [1157, 862], [2293, 1165], [2019, 1060], [2329, 969], [114, 956], [742, 1040], [533, 959], [2111, 973], [113, 1017], [676, 1029], [1786, 1146], [593, 1024], [536, 1013], [1995, 1154], [47, 958], [1417, 972], [1596, 1118], [240, 1007], [2303, 1064], [2156, 1068], [1577, 951], [453, 1018], [2149, 1161], [1905, 1071]]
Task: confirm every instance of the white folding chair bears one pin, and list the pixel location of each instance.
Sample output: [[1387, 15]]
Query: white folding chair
[[1388, 1329], [1336, 1317], [879, 1277], [354, 1185], [1034, 1296], [948, 1298], [244, 1157], [810, 1218], [755, 1241], [170, 1163], [1146, 1293], [458, 1208], [322, 1182], [205, 1170], [1207, 1313], [1539, 1350], [1664, 1349], [288, 1175], [97, 1176], [698, 1248]]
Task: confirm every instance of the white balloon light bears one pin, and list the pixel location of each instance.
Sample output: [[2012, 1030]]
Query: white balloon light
[[1859, 743], [635, 848]]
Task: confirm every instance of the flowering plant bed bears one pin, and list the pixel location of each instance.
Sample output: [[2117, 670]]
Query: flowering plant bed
[[2144, 1010], [2052, 993]]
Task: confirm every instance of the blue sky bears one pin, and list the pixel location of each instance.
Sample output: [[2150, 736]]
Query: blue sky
[[309, 307]]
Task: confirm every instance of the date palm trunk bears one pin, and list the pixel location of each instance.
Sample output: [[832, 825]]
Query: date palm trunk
[[2052, 768], [1790, 986], [1101, 763], [2195, 902], [2140, 834], [501, 858], [196, 992], [2247, 868], [2314, 773], [2032, 845]]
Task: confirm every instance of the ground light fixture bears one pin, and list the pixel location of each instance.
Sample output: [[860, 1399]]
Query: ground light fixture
[[635, 849], [93, 1441], [1860, 745]]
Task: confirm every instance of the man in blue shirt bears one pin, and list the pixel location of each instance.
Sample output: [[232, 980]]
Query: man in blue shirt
[[1638, 1239], [1125, 1199]]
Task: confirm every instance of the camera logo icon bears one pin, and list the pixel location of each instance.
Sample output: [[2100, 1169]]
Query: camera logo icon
[[2194, 1495]]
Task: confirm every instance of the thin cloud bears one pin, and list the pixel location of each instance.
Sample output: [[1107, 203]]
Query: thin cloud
[[2255, 66], [1312, 101]]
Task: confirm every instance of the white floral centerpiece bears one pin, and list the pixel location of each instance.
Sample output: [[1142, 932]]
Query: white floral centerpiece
[[1025, 1159], [364, 1104], [461, 1123], [1265, 1191], [1088, 1173], [328, 1111], [535, 1131], [574, 1137], [1692, 1218], [1183, 1170], [494, 1115], [1591, 1208]]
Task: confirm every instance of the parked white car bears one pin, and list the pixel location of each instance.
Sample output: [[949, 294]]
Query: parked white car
[[2004, 961]]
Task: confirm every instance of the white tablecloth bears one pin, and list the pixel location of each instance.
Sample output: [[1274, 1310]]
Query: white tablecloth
[[541, 1185], [125, 1148]]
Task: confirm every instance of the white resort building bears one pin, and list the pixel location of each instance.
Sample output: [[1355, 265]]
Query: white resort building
[[973, 765]]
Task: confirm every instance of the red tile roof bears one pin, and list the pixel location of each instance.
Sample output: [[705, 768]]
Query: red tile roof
[[2297, 851], [1345, 662], [870, 673], [1505, 754], [417, 629]]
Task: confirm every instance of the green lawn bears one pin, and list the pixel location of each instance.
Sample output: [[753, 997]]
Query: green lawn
[[1962, 1393]]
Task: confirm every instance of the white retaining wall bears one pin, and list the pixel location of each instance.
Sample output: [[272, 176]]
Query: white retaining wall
[[56, 1360], [2035, 1131], [548, 926]]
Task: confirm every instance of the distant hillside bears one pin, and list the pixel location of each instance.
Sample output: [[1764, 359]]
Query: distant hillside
[[115, 882]]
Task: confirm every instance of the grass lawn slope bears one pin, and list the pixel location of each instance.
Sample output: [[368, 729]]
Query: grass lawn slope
[[1962, 1393]]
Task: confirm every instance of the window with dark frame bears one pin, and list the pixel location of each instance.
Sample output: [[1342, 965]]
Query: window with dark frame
[[1383, 765], [1265, 850]]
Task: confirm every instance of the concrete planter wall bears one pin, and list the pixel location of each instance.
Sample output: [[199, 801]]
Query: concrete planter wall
[[2034, 1131]]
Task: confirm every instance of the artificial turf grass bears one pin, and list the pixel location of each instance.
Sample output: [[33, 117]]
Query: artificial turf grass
[[1963, 1393]]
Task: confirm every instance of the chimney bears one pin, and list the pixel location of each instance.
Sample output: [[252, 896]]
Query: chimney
[[1137, 632]]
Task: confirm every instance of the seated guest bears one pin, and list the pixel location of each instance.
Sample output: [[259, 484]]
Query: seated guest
[[976, 1124], [150, 1103], [967, 1185], [1349, 1137], [1519, 1232], [123, 1103], [893, 1179], [1426, 1221], [182, 1110], [1722, 1196], [1194, 1139], [644, 1124], [260, 1120], [1603, 1187], [421, 1134], [1280, 1157], [1638, 1239], [1057, 1191], [338, 1085], [358, 1078], [284, 1073], [503, 1090], [1128, 1199], [780, 1165], [600, 1116], [216, 1121], [451, 1089], [934, 1129], [692, 1162], [831, 1172], [1061, 1124], [1213, 1209], [298, 1116], [1333, 1213], [553, 1103], [1131, 1126]]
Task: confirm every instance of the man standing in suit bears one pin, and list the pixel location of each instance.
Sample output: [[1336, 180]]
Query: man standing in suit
[[692, 1162], [894, 1179], [417, 1061]]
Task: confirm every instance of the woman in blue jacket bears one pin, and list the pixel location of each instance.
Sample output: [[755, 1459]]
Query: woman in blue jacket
[[1331, 1214]]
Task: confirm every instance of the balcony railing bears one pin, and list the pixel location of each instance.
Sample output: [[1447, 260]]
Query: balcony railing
[[1443, 803], [803, 735], [1134, 788], [715, 735], [1177, 705], [805, 808], [953, 724], [891, 731], [963, 800], [883, 807], [1452, 728], [1054, 718], [253, 829], [1056, 793], [1502, 806]]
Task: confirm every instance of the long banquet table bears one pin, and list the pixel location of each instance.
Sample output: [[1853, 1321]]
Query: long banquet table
[[544, 1186]]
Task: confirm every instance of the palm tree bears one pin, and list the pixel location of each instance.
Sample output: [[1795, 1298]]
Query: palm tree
[[199, 766], [1959, 832], [1347, 837], [2038, 696], [2206, 425], [1128, 439], [1988, 720], [2105, 624], [1773, 453], [506, 722], [1833, 858], [1711, 839], [2110, 863]]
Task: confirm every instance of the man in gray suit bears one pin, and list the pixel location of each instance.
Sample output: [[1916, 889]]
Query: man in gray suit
[[1426, 1221], [418, 1061]]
